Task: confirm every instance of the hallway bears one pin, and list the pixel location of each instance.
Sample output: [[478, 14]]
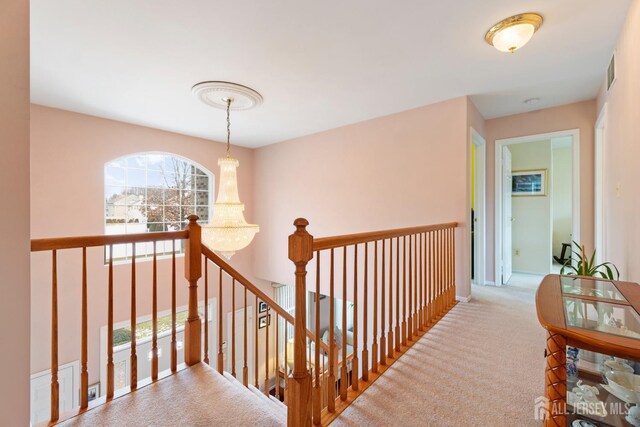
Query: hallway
[[481, 365]]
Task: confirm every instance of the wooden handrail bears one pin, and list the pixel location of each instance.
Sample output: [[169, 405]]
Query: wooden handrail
[[416, 284], [213, 257], [371, 236], [38, 245]]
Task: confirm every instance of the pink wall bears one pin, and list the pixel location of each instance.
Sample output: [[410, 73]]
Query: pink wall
[[622, 151], [395, 171], [68, 153], [581, 115], [14, 215]]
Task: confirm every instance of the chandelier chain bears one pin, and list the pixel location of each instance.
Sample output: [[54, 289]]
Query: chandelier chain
[[228, 128]]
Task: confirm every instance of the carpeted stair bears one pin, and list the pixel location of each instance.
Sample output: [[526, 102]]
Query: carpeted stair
[[196, 396]]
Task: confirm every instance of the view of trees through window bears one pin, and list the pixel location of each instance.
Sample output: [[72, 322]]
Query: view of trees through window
[[153, 192]]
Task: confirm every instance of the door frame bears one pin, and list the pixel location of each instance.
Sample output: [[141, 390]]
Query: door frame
[[575, 181], [480, 178], [599, 235]]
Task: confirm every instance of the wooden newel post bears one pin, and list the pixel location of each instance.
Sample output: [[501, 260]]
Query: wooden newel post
[[192, 272], [299, 389]]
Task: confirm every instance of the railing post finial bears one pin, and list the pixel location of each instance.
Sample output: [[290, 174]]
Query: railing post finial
[[300, 252]]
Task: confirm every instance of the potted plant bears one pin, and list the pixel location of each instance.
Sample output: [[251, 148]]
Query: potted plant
[[585, 266]]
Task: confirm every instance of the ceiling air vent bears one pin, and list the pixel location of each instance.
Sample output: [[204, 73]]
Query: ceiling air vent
[[611, 72]]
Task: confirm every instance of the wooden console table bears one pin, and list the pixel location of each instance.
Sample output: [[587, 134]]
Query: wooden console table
[[577, 311]]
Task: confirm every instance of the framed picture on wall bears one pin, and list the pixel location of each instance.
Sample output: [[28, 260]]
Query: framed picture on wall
[[93, 391], [529, 182], [262, 307], [262, 321]]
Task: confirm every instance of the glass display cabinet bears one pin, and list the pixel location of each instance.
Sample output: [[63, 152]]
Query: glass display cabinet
[[593, 344]]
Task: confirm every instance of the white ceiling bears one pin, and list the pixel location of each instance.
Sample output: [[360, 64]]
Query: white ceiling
[[319, 65]]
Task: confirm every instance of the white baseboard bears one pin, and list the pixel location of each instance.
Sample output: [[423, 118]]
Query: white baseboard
[[486, 283], [463, 299]]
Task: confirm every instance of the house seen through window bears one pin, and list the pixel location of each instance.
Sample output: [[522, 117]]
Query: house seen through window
[[150, 192]]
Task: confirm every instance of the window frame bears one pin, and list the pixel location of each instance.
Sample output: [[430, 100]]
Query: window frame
[[165, 250]]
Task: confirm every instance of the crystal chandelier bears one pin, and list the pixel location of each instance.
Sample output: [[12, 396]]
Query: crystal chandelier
[[228, 231]]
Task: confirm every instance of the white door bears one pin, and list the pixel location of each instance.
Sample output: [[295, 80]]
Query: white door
[[68, 381], [507, 219], [239, 343]]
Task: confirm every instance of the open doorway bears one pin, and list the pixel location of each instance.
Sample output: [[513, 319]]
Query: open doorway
[[477, 203], [537, 206]]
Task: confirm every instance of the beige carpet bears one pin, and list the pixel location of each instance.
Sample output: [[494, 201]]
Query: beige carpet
[[482, 365], [197, 396]]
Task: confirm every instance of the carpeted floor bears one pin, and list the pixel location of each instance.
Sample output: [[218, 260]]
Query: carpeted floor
[[482, 365], [197, 396]]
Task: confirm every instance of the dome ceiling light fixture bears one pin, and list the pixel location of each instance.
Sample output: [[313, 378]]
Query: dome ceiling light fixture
[[228, 231], [514, 32]]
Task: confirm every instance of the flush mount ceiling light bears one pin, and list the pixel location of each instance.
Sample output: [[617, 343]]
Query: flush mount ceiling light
[[514, 32], [228, 231]]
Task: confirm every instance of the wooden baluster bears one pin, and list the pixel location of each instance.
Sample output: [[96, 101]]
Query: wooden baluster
[[154, 314], [443, 246], [390, 338], [398, 323], [419, 322], [245, 367], [300, 253], [441, 271], [448, 281], [266, 356], [55, 387], [286, 362], [431, 279], [383, 309], [416, 260], [277, 364], [355, 362], [220, 354], [133, 376], [453, 265], [84, 375], [425, 296], [435, 276], [255, 344], [404, 292], [365, 325], [343, 368], [409, 314], [206, 311], [233, 328], [438, 268], [110, 327], [332, 325], [174, 326], [374, 341], [317, 396]]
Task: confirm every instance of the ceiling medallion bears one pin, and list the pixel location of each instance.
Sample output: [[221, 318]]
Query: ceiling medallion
[[514, 32], [216, 93]]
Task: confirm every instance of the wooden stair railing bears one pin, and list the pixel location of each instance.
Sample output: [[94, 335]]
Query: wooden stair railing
[[227, 275], [420, 280], [191, 237]]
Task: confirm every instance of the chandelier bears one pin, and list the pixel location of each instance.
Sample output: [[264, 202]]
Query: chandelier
[[228, 231]]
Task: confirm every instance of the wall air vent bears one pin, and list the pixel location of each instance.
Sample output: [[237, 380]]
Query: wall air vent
[[611, 72]]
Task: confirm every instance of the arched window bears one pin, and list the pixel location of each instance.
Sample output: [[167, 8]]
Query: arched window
[[149, 192]]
